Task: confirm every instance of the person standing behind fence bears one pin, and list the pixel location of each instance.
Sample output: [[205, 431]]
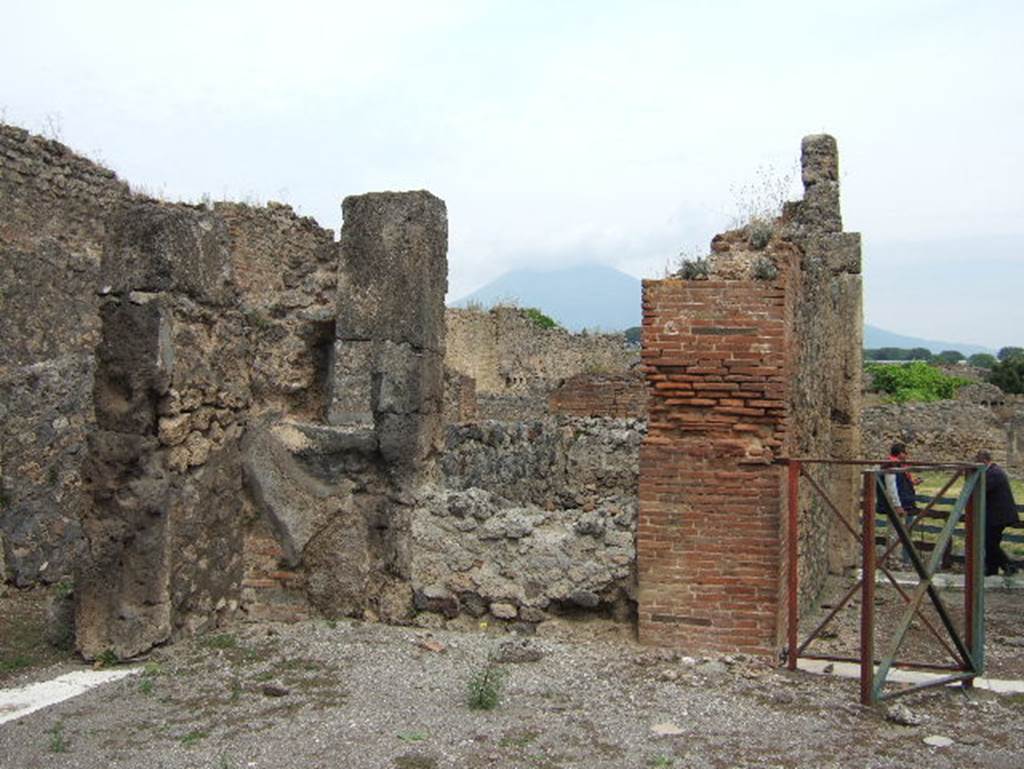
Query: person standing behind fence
[[899, 496], [1000, 512]]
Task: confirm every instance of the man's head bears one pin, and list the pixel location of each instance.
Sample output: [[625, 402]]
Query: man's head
[[898, 450], [983, 457]]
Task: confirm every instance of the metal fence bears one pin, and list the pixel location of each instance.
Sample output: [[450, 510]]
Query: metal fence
[[964, 649]]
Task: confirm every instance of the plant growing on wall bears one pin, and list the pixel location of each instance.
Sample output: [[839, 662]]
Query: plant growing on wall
[[915, 381], [539, 318]]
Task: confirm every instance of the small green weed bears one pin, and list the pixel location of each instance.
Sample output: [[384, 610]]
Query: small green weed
[[518, 740], [220, 641], [697, 268], [412, 736], [760, 234], [146, 686], [764, 268], [64, 588], [413, 761], [58, 742], [661, 762], [484, 688], [16, 663], [108, 659], [193, 737], [236, 690]]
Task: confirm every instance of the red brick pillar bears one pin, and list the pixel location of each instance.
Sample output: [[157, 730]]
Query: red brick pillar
[[709, 538]]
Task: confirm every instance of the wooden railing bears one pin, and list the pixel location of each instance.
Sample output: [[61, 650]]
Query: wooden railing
[[927, 528]]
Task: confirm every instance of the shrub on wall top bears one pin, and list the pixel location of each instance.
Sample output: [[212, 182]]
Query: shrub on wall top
[[538, 317], [915, 381]]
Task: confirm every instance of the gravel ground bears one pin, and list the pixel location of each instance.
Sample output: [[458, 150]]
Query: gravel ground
[[1004, 629], [350, 694]]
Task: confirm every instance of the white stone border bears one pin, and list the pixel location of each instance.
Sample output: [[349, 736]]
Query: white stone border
[[15, 703]]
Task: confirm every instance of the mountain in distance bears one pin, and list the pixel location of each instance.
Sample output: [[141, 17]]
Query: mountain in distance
[[875, 337], [598, 297], [585, 296]]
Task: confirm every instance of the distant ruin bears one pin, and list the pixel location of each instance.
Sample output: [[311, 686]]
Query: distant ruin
[[516, 365], [214, 411]]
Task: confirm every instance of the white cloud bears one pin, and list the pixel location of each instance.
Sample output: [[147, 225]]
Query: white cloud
[[555, 131]]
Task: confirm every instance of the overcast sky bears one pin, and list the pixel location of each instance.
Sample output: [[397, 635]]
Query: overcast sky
[[565, 132]]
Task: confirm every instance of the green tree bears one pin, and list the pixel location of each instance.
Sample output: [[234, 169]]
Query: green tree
[[1005, 353], [949, 356], [633, 334], [982, 360], [1008, 374], [916, 381], [920, 353]]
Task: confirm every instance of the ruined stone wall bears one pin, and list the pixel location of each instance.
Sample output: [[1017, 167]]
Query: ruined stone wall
[[460, 404], [537, 518], [826, 390], [753, 356], [285, 270], [601, 395], [54, 207], [942, 431], [548, 463], [516, 362], [981, 416], [163, 534]]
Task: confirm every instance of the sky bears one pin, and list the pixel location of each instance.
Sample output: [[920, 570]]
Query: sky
[[622, 133]]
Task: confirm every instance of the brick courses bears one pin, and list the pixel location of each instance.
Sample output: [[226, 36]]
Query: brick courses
[[600, 395], [716, 359]]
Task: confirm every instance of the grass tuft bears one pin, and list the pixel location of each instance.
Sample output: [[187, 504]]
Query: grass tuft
[[484, 688]]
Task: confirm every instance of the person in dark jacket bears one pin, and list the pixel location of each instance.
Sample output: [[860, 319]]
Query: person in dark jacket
[[898, 493], [1001, 511]]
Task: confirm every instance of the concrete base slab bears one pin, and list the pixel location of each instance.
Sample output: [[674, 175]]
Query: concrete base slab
[[15, 703], [950, 581], [852, 670]]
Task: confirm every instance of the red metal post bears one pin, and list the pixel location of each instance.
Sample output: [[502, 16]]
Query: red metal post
[[867, 608], [791, 556]]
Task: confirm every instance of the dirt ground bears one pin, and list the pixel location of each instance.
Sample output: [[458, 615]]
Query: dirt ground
[[349, 694]]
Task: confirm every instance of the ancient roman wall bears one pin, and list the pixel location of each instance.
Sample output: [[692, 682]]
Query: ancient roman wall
[[536, 518], [751, 356], [54, 208], [460, 404], [516, 363], [981, 416], [601, 395]]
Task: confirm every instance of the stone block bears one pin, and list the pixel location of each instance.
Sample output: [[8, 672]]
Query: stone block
[[156, 247], [819, 159], [134, 363], [122, 584], [394, 273], [293, 502], [351, 399], [411, 381], [410, 442]]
